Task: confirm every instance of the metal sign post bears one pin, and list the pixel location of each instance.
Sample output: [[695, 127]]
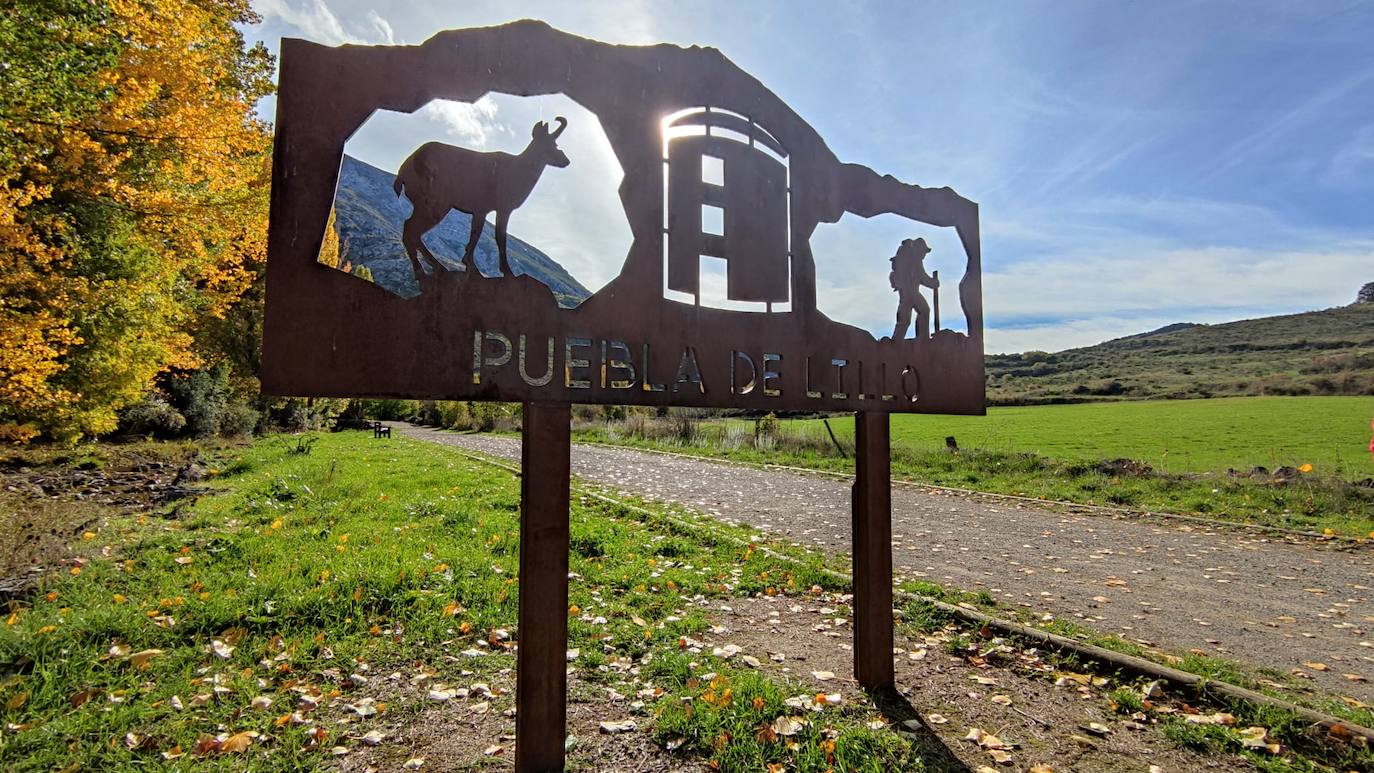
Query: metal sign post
[[693, 134], [872, 560], [540, 661]]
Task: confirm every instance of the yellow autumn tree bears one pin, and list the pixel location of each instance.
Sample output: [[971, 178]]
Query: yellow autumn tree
[[133, 180]]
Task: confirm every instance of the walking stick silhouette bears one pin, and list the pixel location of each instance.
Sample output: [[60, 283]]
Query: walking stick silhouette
[[936, 276]]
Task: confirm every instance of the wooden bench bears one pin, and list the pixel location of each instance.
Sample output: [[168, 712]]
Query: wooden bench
[[380, 431]]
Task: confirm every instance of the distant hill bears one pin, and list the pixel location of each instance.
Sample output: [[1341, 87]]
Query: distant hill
[[369, 216], [1327, 352]]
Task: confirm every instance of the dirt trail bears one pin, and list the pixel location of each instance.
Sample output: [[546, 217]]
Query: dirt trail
[[1175, 586]]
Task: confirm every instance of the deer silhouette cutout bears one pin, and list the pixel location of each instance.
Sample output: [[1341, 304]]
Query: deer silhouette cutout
[[439, 177]]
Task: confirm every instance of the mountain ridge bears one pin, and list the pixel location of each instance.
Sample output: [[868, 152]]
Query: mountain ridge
[[1325, 352]]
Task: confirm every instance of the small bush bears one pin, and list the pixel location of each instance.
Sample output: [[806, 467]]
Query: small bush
[[390, 410], [151, 416], [238, 420], [767, 426], [202, 397], [453, 414]]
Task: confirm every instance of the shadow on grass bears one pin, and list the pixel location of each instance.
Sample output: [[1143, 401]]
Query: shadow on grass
[[897, 709]]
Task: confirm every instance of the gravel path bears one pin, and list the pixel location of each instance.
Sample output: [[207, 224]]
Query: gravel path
[[1289, 606]]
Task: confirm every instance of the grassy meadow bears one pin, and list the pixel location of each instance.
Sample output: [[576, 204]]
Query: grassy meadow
[[1068, 453], [1330, 433], [328, 593], [256, 629]]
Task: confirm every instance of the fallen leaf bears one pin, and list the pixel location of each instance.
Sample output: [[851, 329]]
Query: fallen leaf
[[237, 743], [414, 763], [372, 737], [621, 726], [1001, 700], [1317, 666], [221, 650], [140, 660], [823, 676], [1219, 718], [493, 750], [787, 726], [1258, 738]]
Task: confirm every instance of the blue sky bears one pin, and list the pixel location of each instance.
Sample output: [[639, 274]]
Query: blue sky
[[1136, 164]]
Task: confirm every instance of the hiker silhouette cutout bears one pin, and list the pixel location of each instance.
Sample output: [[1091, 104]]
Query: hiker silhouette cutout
[[439, 177], [907, 277]]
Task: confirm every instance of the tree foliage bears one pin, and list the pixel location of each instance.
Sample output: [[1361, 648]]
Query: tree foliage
[[133, 178]]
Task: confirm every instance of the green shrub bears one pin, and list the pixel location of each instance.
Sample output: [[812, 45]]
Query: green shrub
[[390, 410], [453, 414], [202, 397], [151, 416], [238, 420]]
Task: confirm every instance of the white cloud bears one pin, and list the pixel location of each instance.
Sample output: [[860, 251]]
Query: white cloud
[[473, 123], [1081, 284], [315, 20], [1314, 108], [312, 18], [384, 32], [1354, 161], [1069, 334]]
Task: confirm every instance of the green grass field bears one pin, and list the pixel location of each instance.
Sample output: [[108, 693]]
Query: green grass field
[[227, 637], [1056, 452], [1330, 433]]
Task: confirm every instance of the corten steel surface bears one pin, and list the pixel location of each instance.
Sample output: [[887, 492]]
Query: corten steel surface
[[872, 536], [541, 660], [665, 110]]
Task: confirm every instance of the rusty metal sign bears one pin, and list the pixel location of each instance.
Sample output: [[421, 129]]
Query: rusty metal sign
[[692, 132]]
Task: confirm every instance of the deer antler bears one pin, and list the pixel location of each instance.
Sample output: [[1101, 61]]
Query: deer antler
[[562, 124]]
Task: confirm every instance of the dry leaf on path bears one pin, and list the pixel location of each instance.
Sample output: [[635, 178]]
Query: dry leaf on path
[[622, 726]]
